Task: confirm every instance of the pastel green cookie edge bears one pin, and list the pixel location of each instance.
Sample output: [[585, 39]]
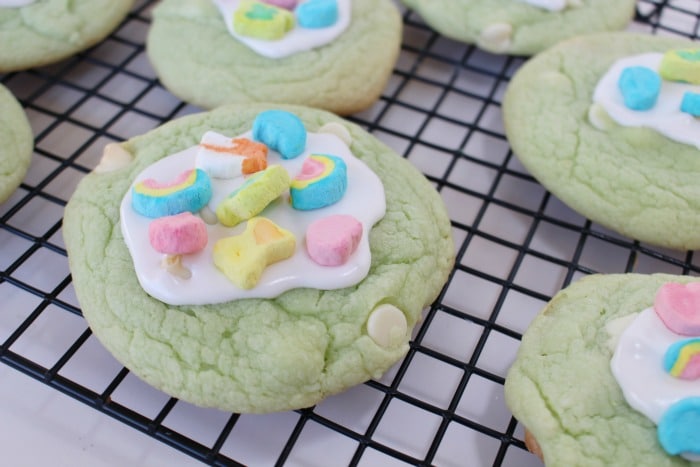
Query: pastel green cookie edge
[[42, 33], [256, 355], [534, 29], [197, 60], [631, 180], [17, 144], [560, 386]]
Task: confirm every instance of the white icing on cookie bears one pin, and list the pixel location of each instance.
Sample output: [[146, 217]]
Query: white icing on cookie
[[638, 369], [665, 117], [364, 199], [297, 40]]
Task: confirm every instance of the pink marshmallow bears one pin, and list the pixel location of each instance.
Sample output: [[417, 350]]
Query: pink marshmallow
[[330, 241], [286, 4], [678, 306], [180, 234]]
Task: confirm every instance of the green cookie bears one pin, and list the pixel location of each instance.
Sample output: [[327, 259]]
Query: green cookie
[[561, 388], [47, 31], [632, 180], [258, 355], [17, 143], [516, 27], [200, 62]]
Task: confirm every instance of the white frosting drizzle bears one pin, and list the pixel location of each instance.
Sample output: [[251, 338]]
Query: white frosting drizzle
[[666, 116], [297, 40], [637, 365], [551, 5], [363, 199], [15, 3]]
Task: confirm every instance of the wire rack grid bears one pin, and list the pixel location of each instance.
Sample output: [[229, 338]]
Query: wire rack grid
[[442, 404]]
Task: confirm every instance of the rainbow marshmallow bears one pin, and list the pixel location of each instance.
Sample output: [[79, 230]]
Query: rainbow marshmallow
[[322, 181], [682, 359], [224, 157], [262, 21], [189, 192]]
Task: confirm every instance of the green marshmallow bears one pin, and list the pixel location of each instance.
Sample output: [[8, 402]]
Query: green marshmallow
[[681, 65], [253, 196], [262, 21]]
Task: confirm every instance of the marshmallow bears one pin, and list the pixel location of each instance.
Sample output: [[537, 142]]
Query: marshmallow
[[682, 359], [190, 191], [253, 196], [243, 258], [691, 104], [678, 430], [316, 14], [322, 181], [678, 306], [181, 234], [286, 4], [224, 157], [681, 65], [281, 131], [262, 21], [177, 235], [640, 87], [330, 241]]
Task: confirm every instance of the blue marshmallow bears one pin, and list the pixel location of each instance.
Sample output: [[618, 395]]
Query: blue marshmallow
[[316, 14], [281, 131], [640, 87], [691, 103], [678, 428]]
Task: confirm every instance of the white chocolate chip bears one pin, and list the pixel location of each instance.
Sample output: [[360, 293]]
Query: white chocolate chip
[[338, 130], [208, 216], [496, 37], [114, 157], [599, 118], [387, 326], [173, 264]]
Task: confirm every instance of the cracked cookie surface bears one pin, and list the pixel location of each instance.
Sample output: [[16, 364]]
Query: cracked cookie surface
[[256, 355], [561, 388], [17, 143], [200, 62], [47, 31], [632, 180], [518, 28]]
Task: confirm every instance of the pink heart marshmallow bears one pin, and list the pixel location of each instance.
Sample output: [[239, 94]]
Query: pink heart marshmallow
[[678, 306]]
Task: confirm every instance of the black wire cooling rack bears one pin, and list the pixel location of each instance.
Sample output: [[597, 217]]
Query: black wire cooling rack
[[517, 246]]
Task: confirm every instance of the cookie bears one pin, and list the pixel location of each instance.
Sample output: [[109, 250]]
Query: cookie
[[521, 27], [256, 348], [197, 58], [42, 32], [17, 143], [631, 179], [562, 388]]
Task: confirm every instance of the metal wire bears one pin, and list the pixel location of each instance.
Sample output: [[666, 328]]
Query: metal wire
[[441, 111]]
